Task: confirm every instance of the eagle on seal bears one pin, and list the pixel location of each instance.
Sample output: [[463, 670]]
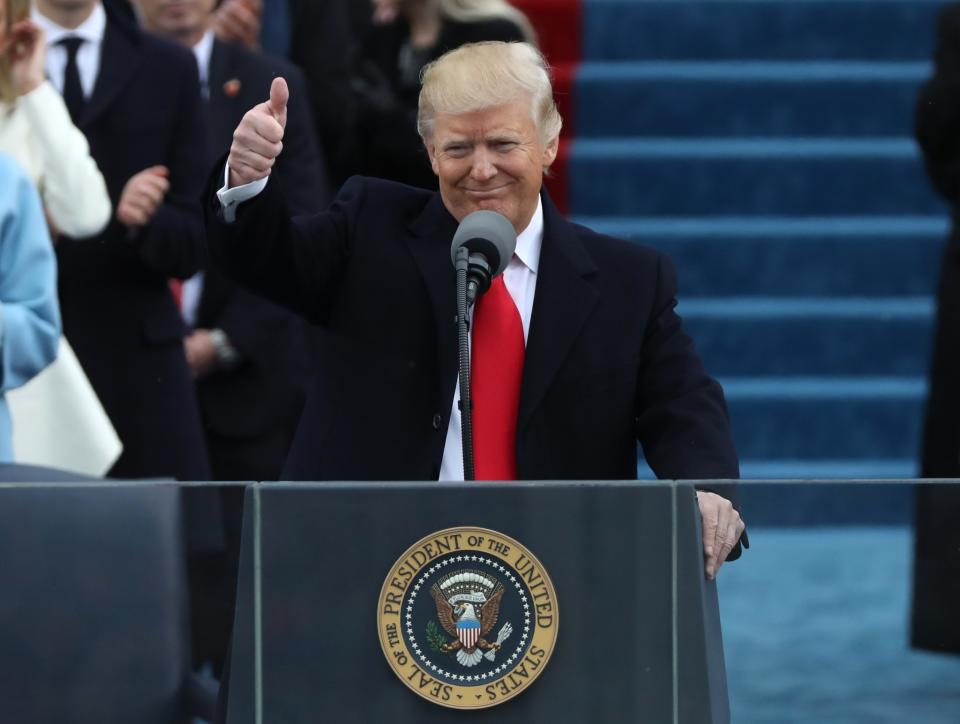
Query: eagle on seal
[[469, 618]]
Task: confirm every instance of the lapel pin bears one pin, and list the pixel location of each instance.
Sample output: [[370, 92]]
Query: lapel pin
[[231, 88]]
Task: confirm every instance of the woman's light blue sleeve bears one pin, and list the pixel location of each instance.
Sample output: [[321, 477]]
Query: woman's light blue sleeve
[[29, 312]]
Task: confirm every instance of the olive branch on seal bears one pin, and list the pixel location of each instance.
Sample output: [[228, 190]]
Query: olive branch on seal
[[434, 637]]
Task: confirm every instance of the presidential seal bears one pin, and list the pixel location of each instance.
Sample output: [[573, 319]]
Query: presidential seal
[[467, 618]]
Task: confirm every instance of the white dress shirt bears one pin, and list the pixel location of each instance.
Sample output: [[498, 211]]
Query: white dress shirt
[[91, 31], [520, 278], [203, 52]]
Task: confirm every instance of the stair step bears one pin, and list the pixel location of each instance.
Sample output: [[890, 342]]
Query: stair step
[[762, 29], [797, 471], [793, 256], [860, 469], [825, 418], [747, 98], [789, 177], [824, 309], [824, 388], [841, 503], [782, 337], [864, 497]]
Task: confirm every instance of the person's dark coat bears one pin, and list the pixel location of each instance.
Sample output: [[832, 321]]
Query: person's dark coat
[[251, 410], [118, 312], [386, 95], [607, 362], [323, 43], [936, 591]]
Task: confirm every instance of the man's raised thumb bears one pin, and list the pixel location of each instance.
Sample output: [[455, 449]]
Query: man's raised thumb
[[279, 95]]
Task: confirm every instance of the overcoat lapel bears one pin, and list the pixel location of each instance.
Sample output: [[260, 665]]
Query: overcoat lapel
[[429, 242], [119, 60], [564, 299]]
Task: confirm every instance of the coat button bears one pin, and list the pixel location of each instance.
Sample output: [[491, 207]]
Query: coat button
[[437, 421]]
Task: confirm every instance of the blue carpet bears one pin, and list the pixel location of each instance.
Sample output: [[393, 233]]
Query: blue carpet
[[723, 177], [784, 337], [759, 29], [820, 418], [815, 630], [794, 257], [747, 99]]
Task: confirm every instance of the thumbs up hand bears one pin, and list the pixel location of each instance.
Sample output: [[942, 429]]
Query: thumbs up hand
[[258, 139]]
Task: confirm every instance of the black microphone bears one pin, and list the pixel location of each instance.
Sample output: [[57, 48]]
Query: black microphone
[[488, 239]]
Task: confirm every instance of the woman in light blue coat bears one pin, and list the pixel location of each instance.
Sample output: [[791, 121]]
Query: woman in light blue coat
[[29, 314]]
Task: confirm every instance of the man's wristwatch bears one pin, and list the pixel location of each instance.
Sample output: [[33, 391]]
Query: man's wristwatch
[[227, 355]]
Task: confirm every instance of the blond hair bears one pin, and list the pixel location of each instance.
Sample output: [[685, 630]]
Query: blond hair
[[17, 10], [484, 75], [471, 11]]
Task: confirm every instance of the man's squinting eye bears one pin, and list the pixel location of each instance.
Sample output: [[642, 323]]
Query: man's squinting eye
[[456, 149]]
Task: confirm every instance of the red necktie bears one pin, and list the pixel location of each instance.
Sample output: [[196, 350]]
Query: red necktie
[[176, 289], [497, 368]]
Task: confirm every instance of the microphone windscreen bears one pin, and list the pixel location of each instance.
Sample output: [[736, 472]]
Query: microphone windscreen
[[487, 233]]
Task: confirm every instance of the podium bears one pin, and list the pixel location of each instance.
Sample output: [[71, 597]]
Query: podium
[[638, 633]]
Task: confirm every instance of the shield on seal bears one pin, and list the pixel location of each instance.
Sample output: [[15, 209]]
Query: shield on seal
[[468, 632]]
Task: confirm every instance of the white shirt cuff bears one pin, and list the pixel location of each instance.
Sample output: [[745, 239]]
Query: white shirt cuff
[[231, 198]]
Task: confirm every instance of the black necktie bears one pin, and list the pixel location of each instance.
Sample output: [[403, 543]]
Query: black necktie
[[72, 90]]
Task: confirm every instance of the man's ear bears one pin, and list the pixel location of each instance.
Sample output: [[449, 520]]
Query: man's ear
[[432, 153], [550, 152]]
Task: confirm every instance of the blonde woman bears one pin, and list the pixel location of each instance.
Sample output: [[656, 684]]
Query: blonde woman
[[406, 36], [57, 419], [36, 130]]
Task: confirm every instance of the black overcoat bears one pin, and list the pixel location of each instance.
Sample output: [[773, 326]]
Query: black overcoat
[[118, 312], [936, 591]]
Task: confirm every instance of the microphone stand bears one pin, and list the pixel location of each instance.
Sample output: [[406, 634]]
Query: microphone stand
[[463, 339]]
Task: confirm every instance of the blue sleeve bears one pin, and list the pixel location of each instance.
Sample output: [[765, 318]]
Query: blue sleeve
[[29, 312]]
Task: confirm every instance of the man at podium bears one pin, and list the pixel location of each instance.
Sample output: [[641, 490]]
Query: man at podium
[[577, 352]]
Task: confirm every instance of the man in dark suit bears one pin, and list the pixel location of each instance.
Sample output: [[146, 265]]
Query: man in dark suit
[[136, 100], [585, 336], [249, 357]]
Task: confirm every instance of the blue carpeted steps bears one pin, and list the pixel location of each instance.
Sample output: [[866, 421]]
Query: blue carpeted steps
[[881, 30], [877, 255], [766, 145], [777, 177], [825, 418], [784, 337], [749, 99]]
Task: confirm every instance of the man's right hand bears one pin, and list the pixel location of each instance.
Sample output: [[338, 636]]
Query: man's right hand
[[142, 196], [239, 21], [258, 139]]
